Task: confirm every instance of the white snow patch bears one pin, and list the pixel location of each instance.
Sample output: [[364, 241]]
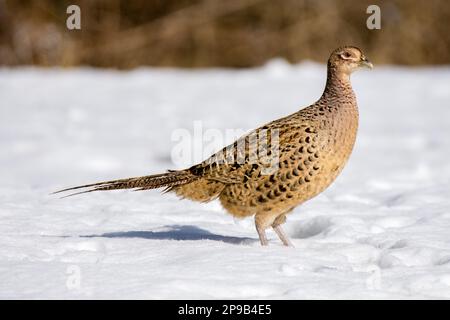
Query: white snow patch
[[381, 231]]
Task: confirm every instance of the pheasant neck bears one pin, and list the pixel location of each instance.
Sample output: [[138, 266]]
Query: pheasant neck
[[338, 84]]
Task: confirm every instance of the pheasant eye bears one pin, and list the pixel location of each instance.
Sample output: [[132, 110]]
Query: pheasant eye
[[347, 54]]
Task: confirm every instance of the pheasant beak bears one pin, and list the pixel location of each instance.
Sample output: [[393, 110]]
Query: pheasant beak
[[366, 63]]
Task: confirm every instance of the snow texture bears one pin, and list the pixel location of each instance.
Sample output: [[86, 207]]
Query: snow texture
[[382, 230]]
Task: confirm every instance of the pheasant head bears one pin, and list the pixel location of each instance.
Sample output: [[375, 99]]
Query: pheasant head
[[344, 60]]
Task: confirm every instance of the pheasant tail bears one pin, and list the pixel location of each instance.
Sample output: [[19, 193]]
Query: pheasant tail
[[167, 180]]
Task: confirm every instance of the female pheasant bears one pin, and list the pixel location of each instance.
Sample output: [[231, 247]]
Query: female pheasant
[[273, 169]]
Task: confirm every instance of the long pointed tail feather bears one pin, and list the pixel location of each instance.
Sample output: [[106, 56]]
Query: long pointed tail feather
[[167, 180]]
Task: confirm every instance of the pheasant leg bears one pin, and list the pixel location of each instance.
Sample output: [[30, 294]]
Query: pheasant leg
[[283, 237], [262, 235]]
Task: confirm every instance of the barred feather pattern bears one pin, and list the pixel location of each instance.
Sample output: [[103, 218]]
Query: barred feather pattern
[[167, 180]]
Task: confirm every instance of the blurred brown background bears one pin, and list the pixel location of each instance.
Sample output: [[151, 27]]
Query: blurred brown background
[[229, 33]]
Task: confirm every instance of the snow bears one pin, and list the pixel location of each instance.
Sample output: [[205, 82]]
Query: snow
[[380, 231]]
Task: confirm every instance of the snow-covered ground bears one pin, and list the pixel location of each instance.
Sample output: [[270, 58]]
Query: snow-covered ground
[[381, 231]]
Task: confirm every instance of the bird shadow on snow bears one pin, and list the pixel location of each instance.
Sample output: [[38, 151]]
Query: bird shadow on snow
[[175, 232]]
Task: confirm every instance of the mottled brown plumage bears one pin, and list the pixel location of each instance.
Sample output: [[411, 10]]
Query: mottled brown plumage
[[310, 147]]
